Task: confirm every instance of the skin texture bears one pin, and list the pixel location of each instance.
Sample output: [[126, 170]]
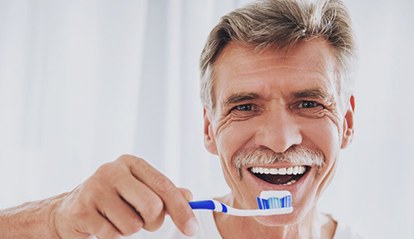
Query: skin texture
[[30, 220], [119, 199], [275, 100]]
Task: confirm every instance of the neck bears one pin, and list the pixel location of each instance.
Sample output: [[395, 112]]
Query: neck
[[313, 225]]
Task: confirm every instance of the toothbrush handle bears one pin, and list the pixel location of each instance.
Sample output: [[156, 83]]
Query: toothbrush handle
[[208, 205], [205, 204]]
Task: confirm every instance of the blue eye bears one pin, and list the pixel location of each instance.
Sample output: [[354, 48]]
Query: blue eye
[[308, 104], [246, 107]]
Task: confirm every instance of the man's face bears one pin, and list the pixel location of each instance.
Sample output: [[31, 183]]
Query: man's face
[[272, 102]]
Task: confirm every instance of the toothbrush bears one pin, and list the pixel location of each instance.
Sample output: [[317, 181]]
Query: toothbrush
[[269, 203]]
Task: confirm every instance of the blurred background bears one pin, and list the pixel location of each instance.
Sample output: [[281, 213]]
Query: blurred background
[[82, 82]]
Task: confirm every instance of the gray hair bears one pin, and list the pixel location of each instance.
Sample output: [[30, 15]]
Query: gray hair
[[282, 24]]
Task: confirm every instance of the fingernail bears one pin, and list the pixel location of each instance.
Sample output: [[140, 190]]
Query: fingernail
[[188, 196], [191, 227]]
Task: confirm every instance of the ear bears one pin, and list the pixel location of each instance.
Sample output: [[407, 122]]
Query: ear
[[209, 137], [348, 129]]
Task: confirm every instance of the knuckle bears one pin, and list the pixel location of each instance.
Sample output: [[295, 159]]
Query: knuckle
[[107, 231], [155, 224], [163, 185], [131, 162], [90, 193], [127, 159], [109, 174], [153, 213], [153, 208], [133, 227], [105, 169]]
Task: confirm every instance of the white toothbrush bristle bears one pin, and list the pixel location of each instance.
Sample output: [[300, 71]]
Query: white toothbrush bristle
[[274, 200]]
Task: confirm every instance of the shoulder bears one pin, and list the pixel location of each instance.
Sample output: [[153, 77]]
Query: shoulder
[[344, 231]]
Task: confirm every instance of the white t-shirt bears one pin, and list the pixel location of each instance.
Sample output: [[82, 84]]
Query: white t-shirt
[[208, 230]]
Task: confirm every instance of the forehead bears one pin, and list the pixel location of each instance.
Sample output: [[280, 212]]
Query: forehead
[[310, 64]]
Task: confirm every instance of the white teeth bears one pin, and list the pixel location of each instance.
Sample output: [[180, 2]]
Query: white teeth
[[279, 171], [290, 182], [295, 170]]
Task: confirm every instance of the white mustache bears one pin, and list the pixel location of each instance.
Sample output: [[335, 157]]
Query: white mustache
[[296, 155]]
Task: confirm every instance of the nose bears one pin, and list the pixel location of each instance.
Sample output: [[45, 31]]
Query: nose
[[278, 131]]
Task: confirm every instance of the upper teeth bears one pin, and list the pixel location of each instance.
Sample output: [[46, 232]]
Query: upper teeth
[[279, 171]]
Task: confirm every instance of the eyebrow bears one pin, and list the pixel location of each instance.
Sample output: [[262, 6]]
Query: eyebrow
[[316, 93], [312, 93], [240, 97]]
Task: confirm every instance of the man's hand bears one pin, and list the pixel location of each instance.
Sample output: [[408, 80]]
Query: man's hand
[[121, 198]]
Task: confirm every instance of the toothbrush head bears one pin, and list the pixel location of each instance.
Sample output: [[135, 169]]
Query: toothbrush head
[[275, 200]]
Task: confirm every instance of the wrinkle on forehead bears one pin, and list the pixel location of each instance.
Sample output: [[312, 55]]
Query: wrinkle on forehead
[[311, 56], [310, 59], [280, 62]]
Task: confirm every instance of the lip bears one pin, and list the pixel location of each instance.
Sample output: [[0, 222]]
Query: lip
[[263, 185]]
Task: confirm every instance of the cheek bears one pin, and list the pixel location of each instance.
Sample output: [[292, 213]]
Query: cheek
[[325, 134], [230, 139], [324, 137]]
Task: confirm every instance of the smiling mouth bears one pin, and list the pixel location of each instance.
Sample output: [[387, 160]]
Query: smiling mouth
[[280, 176]]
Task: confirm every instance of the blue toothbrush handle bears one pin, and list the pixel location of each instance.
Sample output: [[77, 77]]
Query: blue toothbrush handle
[[205, 204], [209, 205]]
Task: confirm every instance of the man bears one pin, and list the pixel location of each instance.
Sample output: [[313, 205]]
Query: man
[[276, 87]]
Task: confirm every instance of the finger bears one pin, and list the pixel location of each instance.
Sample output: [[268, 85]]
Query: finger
[[144, 200], [95, 224], [186, 194], [174, 202], [120, 214]]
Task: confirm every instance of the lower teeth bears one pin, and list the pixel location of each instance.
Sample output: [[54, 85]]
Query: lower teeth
[[290, 182], [278, 179]]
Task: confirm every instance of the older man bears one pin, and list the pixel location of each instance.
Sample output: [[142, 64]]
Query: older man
[[276, 87]]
